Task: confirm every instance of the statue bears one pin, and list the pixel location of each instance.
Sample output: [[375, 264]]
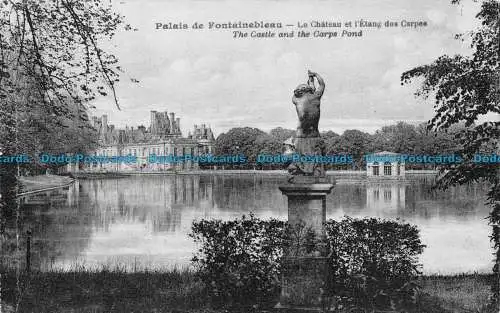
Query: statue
[[307, 100], [307, 141], [306, 191]]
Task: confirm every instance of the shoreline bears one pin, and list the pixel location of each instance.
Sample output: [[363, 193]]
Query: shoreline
[[254, 172]]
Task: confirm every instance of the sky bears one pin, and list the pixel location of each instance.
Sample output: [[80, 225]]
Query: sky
[[206, 76]]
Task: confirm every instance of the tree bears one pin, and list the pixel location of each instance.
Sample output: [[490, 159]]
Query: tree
[[352, 142], [282, 134], [331, 141], [240, 140], [56, 44], [437, 142], [51, 66], [464, 88], [399, 138]]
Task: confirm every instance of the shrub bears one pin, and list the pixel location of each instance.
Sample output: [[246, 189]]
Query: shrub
[[239, 260], [374, 261]]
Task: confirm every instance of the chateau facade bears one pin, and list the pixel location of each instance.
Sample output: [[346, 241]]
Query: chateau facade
[[163, 137]]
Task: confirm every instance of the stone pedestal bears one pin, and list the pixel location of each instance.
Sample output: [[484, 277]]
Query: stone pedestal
[[304, 281], [307, 203], [304, 285]]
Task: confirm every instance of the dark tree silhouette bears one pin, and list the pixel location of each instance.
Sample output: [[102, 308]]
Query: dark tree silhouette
[[51, 67], [464, 88]]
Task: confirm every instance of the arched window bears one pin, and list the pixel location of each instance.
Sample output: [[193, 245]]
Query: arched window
[[387, 169]]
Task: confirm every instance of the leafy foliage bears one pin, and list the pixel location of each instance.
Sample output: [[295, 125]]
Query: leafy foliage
[[247, 141], [464, 88], [281, 134], [355, 143], [401, 138], [239, 260], [56, 43], [51, 66], [373, 261]]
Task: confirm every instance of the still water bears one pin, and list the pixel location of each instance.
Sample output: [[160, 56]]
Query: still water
[[143, 221]]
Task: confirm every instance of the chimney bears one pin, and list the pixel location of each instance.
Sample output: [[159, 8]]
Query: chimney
[[172, 123], [104, 121], [178, 124], [121, 136], [153, 122], [210, 134], [167, 123]]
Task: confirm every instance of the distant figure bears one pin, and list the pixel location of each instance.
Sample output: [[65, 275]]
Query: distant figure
[[289, 151], [307, 100], [289, 146]]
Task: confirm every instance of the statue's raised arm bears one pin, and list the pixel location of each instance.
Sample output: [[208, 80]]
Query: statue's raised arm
[[321, 88]]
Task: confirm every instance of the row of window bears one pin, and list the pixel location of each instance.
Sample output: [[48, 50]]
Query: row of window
[[157, 151], [106, 153], [387, 170]]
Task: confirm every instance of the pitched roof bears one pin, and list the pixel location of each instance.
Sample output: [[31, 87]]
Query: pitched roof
[[385, 153]]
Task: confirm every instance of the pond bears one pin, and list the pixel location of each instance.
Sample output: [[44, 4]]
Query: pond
[[143, 221]]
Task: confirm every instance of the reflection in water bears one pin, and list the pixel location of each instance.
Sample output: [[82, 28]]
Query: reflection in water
[[60, 223], [382, 196], [145, 220]]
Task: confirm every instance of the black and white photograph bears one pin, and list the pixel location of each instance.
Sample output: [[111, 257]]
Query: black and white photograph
[[234, 156]]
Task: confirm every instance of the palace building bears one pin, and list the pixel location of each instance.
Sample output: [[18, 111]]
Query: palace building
[[163, 137]]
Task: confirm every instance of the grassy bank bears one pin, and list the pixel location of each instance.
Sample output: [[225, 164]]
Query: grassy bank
[[458, 293], [180, 291]]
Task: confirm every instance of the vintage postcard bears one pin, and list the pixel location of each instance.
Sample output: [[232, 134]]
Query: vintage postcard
[[249, 156]]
